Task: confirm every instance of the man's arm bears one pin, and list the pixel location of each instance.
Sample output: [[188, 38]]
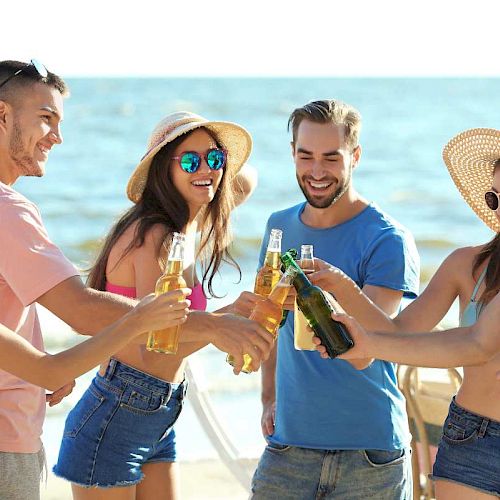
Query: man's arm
[[84, 309], [268, 393], [20, 358], [89, 311], [422, 314], [268, 369], [387, 301]]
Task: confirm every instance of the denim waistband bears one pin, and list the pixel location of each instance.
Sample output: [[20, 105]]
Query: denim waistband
[[485, 424], [118, 370]]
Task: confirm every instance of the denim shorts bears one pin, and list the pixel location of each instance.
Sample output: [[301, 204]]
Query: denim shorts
[[469, 451], [122, 421], [292, 473]]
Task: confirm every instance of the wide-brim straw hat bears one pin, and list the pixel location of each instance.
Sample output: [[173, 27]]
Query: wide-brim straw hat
[[470, 157], [232, 137]]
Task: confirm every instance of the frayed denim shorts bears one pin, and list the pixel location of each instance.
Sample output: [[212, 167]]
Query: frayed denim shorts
[[469, 451], [122, 421]]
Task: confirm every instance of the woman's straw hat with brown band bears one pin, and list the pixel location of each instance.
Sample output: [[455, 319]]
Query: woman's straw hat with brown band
[[232, 137], [470, 157]]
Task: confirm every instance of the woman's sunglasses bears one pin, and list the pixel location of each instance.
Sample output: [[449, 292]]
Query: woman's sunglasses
[[491, 198], [39, 68], [190, 161]]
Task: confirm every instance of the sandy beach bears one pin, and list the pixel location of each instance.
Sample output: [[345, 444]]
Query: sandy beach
[[200, 480]]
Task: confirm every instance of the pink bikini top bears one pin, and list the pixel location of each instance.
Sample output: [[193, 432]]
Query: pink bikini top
[[197, 297]]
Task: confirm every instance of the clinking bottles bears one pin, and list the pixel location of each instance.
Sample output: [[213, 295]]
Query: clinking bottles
[[302, 335], [317, 310], [270, 273], [167, 340], [268, 312]]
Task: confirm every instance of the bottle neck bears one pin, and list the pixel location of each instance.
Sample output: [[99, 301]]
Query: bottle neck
[[288, 261], [177, 248], [306, 252], [274, 244], [272, 259], [279, 293], [174, 267], [301, 281], [307, 265]]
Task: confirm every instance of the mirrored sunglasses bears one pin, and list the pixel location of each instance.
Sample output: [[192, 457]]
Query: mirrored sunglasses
[[39, 67], [491, 198], [190, 161]]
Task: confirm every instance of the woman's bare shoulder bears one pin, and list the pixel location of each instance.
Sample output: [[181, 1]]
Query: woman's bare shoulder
[[465, 255], [153, 240], [460, 264]]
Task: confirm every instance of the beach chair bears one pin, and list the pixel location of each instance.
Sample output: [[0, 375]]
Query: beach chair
[[428, 393], [198, 395]]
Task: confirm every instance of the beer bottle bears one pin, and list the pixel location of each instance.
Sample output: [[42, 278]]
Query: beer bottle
[[270, 273], [268, 312], [167, 340], [288, 259], [317, 310], [307, 259], [302, 335]]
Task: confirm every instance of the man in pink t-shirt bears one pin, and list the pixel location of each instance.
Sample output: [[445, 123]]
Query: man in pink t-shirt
[[30, 265], [32, 268]]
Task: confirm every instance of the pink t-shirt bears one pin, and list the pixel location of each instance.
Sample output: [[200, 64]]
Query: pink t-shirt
[[30, 265]]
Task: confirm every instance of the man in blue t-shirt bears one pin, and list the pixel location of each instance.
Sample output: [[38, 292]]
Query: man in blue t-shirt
[[334, 431]]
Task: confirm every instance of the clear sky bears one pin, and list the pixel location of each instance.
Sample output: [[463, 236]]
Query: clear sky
[[255, 37]]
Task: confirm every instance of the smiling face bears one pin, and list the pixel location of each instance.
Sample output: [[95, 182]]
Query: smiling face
[[323, 162], [198, 188], [30, 129]]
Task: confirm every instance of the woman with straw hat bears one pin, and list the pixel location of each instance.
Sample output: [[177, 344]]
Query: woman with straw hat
[[120, 434], [468, 459]]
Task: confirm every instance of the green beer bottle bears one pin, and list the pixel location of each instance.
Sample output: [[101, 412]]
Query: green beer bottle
[[317, 310]]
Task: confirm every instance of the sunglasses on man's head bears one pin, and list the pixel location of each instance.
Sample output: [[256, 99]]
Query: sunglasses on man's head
[[39, 67], [190, 161], [491, 198]]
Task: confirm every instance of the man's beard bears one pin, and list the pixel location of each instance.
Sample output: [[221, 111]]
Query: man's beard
[[332, 199], [24, 162]]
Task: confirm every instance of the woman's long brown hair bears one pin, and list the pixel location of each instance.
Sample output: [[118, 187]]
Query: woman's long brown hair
[[161, 203], [490, 251]]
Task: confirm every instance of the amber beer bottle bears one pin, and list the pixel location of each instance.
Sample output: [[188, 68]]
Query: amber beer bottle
[[167, 340], [268, 312], [302, 334], [317, 310], [270, 273]]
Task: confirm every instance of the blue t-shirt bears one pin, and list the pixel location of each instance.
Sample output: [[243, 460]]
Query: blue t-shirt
[[328, 404]]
